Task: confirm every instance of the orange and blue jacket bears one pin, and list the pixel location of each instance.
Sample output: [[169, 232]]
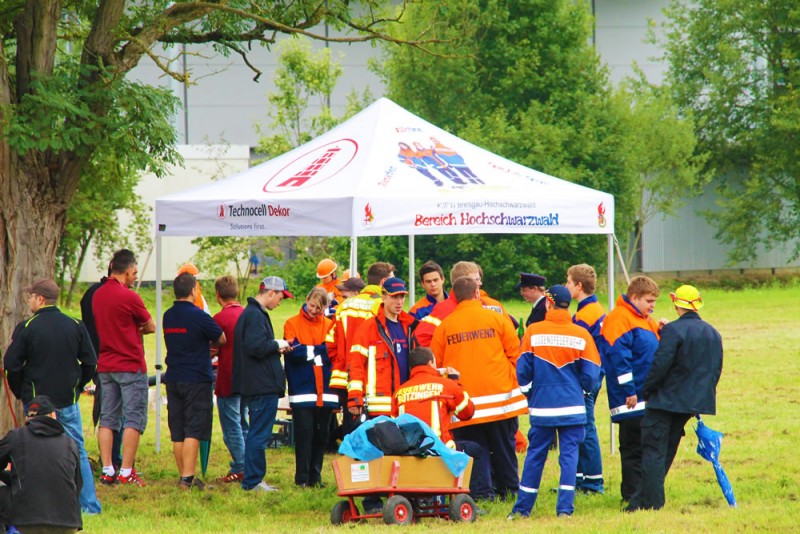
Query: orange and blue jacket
[[434, 399], [374, 370], [629, 341], [350, 315], [424, 306], [558, 361], [483, 346], [307, 365]]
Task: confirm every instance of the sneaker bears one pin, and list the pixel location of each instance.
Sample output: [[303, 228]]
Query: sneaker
[[564, 515], [231, 477], [195, 483], [108, 480], [133, 479], [513, 516], [263, 487]]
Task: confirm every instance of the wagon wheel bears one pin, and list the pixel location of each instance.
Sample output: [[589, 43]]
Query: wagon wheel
[[341, 513], [398, 511], [462, 508]]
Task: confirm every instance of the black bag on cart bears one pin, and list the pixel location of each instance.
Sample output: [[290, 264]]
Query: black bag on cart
[[394, 440]]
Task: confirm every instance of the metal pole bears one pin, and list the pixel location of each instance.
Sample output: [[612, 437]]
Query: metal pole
[[159, 328], [411, 262], [353, 255], [611, 307]]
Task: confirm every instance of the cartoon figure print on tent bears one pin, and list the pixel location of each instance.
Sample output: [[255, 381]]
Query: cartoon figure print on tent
[[440, 158]]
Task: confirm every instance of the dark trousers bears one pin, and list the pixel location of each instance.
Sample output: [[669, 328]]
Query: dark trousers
[[630, 453], [311, 427], [480, 485], [348, 420], [661, 434], [496, 438]]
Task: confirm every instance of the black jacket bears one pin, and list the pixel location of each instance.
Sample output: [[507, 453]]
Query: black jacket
[[50, 354], [686, 367], [257, 368], [538, 312], [46, 475]]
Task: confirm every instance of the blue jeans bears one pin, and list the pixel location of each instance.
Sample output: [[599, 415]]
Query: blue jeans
[[233, 421], [70, 418], [590, 459], [262, 410]]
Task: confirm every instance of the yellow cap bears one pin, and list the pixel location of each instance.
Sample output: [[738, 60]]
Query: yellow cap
[[687, 297]]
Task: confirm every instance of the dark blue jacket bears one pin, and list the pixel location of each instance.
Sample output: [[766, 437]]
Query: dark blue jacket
[[257, 368], [686, 367]]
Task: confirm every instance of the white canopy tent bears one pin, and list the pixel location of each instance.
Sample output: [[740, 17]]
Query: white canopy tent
[[385, 171]]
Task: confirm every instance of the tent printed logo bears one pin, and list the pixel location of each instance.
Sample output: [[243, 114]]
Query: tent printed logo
[[221, 212], [601, 216], [437, 162], [369, 217], [313, 167]]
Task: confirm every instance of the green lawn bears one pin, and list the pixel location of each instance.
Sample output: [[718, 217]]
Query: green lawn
[[758, 411]]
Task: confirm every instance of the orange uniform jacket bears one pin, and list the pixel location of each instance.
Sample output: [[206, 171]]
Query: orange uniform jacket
[[433, 398], [374, 374], [483, 346], [333, 291], [349, 316], [428, 324]]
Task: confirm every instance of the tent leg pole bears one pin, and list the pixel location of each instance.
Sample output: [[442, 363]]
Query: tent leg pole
[[411, 262], [612, 444], [353, 255], [159, 326]]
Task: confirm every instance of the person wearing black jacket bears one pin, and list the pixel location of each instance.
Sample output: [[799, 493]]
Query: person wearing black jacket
[[45, 476], [51, 354], [681, 383], [258, 376]]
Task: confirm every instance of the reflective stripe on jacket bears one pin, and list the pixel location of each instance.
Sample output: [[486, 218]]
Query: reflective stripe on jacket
[[308, 367], [374, 374], [434, 399], [350, 315], [558, 361], [483, 346], [629, 340]]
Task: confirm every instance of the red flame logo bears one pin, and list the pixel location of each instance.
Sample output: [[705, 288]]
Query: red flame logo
[[601, 216]]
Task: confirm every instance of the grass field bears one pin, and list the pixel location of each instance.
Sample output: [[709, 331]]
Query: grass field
[[758, 410]]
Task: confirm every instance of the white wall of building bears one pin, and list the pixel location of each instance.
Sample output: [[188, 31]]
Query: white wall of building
[[202, 164]]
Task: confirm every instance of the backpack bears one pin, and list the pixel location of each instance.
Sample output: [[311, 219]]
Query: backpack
[[394, 440]]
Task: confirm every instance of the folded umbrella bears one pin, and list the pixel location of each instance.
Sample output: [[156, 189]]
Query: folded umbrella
[[205, 451], [709, 443]]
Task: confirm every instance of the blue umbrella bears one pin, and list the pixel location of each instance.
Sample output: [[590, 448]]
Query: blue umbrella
[[709, 443]]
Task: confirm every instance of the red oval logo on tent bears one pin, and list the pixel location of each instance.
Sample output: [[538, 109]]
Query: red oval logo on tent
[[313, 167]]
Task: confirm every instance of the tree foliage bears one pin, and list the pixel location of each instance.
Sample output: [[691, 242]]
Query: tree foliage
[[736, 66], [64, 96]]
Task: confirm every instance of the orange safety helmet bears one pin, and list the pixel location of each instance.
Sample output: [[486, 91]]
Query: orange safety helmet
[[326, 268]]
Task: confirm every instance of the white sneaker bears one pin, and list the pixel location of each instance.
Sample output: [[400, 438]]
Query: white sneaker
[[263, 486]]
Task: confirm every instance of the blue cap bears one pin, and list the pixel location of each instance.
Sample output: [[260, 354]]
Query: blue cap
[[559, 296], [394, 286]]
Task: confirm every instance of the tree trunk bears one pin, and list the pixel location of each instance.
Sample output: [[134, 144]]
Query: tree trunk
[[31, 221]]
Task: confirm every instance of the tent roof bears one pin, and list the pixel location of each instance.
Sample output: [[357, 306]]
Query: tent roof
[[386, 171]]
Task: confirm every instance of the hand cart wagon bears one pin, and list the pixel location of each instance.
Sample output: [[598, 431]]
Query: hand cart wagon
[[414, 487]]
